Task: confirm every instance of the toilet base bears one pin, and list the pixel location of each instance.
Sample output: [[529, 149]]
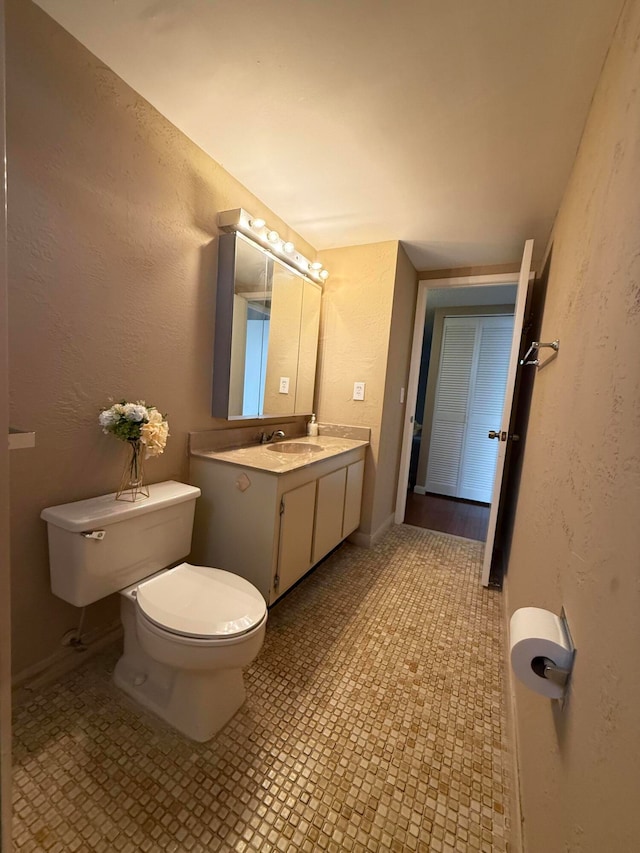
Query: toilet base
[[196, 702]]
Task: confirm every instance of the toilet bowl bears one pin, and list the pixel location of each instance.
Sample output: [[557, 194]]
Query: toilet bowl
[[188, 630]]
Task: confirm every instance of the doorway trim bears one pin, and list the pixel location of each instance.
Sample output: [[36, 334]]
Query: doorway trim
[[5, 583], [424, 286]]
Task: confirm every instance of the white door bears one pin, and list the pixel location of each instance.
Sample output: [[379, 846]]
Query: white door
[[296, 535], [486, 399], [503, 427], [329, 513], [353, 497], [472, 374]]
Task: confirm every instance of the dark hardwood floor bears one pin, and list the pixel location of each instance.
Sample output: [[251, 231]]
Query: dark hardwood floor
[[448, 515]]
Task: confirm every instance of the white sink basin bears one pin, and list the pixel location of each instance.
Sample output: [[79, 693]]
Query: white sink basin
[[294, 447]]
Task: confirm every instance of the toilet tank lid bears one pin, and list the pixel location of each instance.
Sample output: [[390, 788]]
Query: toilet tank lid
[[105, 510]]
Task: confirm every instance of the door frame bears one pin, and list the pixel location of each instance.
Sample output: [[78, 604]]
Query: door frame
[[5, 583], [424, 286]]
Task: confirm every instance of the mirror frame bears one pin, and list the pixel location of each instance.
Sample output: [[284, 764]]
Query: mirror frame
[[222, 345]]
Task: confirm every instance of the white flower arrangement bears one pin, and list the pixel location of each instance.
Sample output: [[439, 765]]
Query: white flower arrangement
[[136, 422]]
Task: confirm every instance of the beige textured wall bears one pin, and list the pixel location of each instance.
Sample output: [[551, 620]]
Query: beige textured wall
[[577, 538], [112, 266], [354, 341], [397, 377]]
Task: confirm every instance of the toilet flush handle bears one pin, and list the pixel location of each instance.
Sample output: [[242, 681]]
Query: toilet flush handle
[[94, 534]]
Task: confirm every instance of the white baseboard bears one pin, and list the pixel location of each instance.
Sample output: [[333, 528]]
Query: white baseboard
[[517, 840], [419, 490], [368, 540], [63, 660]]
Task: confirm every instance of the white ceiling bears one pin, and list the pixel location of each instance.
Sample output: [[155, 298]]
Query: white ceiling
[[451, 125]]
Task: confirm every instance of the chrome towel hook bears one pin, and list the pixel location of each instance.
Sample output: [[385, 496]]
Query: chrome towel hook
[[533, 350]]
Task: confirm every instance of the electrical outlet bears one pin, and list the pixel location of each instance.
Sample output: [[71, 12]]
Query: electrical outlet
[[358, 390], [284, 384]]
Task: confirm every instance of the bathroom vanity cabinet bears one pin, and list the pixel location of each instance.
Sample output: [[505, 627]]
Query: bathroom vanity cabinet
[[271, 528]]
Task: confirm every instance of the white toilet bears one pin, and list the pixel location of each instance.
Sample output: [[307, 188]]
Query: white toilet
[[188, 630]]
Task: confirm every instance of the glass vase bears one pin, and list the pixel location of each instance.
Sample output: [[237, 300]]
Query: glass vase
[[132, 487]]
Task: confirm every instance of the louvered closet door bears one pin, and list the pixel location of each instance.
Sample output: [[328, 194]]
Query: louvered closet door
[[451, 404], [468, 403], [488, 382]]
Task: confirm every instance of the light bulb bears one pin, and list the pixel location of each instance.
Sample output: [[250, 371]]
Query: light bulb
[[273, 236], [316, 265], [257, 223], [288, 247], [324, 275]]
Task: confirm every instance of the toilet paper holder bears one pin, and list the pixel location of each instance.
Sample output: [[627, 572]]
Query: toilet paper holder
[[546, 668], [542, 651], [559, 675]]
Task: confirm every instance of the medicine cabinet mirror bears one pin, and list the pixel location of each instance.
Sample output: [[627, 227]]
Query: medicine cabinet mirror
[[266, 334]]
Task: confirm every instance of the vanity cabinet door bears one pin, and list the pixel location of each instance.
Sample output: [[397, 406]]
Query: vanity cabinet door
[[353, 498], [329, 513], [296, 535]]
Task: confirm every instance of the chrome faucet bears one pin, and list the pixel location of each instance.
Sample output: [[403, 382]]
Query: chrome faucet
[[264, 438]]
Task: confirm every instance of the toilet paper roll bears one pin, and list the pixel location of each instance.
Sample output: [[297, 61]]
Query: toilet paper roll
[[535, 634]]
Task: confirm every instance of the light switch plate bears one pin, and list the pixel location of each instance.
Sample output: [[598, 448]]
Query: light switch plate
[[284, 384], [358, 390]]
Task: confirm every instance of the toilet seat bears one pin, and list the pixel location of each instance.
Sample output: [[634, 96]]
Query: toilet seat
[[182, 640], [201, 603]]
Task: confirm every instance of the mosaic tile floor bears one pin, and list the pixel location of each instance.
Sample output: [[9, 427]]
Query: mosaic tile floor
[[374, 723]]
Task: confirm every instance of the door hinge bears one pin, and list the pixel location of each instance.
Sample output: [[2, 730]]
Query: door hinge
[[276, 582], [281, 506]]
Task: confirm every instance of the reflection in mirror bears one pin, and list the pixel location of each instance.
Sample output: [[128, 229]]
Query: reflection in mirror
[[282, 361], [243, 306], [255, 365], [250, 330], [308, 347], [266, 338]]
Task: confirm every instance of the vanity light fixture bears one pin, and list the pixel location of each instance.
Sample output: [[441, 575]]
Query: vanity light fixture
[[269, 240]]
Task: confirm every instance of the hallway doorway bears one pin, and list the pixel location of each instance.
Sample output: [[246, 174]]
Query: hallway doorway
[[502, 432], [467, 519], [441, 509]]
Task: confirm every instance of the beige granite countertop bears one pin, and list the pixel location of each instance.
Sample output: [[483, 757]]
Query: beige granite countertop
[[265, 457]]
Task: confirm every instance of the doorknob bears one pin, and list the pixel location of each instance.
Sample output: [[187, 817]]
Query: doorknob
[[502, 436]]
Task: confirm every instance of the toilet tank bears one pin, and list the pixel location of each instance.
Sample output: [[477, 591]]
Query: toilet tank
[[101, 545]]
